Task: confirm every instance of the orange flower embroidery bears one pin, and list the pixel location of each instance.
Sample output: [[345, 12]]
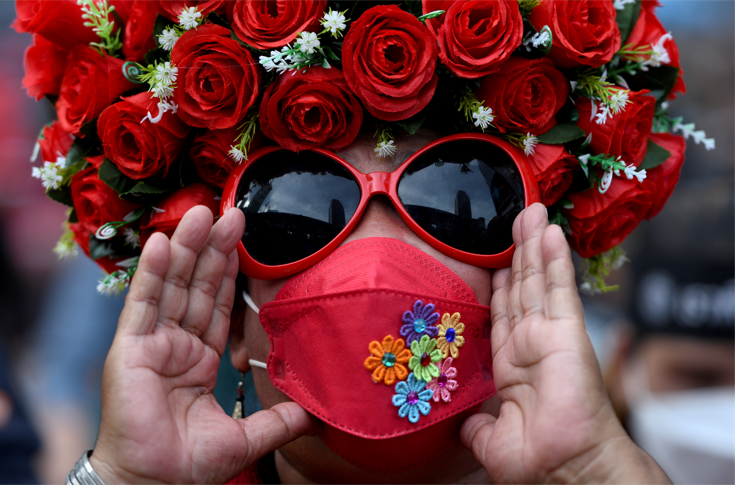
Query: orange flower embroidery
[[450, 335], [388, 361]]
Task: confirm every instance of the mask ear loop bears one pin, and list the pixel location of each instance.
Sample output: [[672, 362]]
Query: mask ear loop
[[252, 305]]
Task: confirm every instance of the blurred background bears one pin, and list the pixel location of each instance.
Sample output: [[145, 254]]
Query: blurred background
[[665, 341]]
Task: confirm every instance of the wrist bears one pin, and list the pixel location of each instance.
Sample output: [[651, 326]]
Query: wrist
[[109, 473], [616, 460]]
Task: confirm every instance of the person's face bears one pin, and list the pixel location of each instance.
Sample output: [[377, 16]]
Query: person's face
[[309, 455]]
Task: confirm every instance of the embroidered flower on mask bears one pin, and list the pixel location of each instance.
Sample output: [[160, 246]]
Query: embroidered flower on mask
[[412, 398], [424, 359], [444, 384], [420, 322], [388, 361], [450, 335]]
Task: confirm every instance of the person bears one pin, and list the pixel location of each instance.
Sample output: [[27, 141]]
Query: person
[[552, 421]]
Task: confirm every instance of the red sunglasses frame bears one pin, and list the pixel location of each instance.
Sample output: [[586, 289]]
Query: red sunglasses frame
[[385, 183]]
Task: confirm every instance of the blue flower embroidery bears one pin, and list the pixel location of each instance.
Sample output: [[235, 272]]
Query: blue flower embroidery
[[412, 398], [419, 323]]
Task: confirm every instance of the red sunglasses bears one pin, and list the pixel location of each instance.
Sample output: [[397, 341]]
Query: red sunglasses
[[460, 194]]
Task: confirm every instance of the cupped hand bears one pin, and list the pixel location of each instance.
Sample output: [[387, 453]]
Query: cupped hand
[[556, 423], [160, 420]]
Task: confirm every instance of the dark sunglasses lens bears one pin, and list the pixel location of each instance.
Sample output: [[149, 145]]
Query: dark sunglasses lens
[[465, 193], [294, 205]]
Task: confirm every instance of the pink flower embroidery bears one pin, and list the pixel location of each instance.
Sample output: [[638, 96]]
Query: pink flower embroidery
[[443, 385]]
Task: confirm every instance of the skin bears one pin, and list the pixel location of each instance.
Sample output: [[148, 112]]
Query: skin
[[161, 423]]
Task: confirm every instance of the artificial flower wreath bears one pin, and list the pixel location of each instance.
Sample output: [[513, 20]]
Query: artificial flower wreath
[[158, 101]]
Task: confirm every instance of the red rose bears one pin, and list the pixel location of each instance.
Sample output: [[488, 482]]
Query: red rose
[[584, 33], [44, 65], [55, 142], [648, 32], [82, 236], [139, 29], [311, 109], [140, 150], [174, 206], [389, 59], [91, 83], [172, 8], [221, 80], [553, 166], [59, 21], [96, 203], [663, 178], [524, 94], [428, 6], [266, 25], [623, 134], [209, 154], [598, 222], [476, 37]]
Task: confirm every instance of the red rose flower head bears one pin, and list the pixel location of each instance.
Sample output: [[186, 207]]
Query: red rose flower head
[[623, 134], [140, 149], [220, 79], [59, 21], [554, 167], [90, 84], [138, 38], [311, 109], [172, 8], [524, 94], [55, 142], [96, 203], [584, 32], [475, 38], [44, 64], [663, 178], [210, 157], [389, 61], [272, 24], [174, 206]]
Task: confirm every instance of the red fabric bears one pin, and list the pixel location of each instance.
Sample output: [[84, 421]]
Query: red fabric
[[321, 324]]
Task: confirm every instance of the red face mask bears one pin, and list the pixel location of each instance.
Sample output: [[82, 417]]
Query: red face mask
[[387, 346]]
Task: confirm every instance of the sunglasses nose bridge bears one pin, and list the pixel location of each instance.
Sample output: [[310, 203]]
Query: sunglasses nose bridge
[[378, 183]]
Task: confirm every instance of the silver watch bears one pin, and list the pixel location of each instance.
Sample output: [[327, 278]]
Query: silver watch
[[83, 472]]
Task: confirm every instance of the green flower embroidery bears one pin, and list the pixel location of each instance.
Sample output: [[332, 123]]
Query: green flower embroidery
[[425, 356]]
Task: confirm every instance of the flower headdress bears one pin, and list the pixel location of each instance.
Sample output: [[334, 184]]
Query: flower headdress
[[158, 101]]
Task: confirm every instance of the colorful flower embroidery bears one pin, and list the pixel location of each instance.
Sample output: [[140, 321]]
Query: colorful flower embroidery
[[424, 359], [450, 335], [412, 399], [420, 322], [444, 384], [388, 361]]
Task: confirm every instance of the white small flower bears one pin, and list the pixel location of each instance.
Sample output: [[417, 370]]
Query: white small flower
[[630, 172], [385, 149], [483, 117], [602, 115], [166, 73], [619, 100], [333, 21], [132, 237], [108, 285], [541, 39], [167, 39], [188, 18], [659, 55], [709, 143], [530, 141], [621, 4], [66, 249], [236, 154], [267, 63], [162, 91], [163, 107], [308, 42], [49, 174]]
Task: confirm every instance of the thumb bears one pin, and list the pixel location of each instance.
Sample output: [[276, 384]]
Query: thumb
[[267, 430], [475, 434]]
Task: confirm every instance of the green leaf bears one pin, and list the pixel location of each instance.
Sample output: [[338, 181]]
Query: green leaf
[[73, 216], [412, 124], [77, 153], [143, 187], [561, 133], [62, 195], [659, 80], [158, 27], [329, 54], [626, 19], [430, 15], [157, 54], [89, 129], [656, 155], [106, 248], [116, 180], [218, 20]]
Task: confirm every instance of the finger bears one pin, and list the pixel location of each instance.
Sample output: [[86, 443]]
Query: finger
[[142, 302], [475, 435], [188, 238], [217, 332], [514, 296], [267, 430], [209, 270], [501, 327], [562, 298], [533, 281]]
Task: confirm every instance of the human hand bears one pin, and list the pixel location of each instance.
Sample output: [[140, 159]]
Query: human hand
[[556, 423], [160, 420]]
